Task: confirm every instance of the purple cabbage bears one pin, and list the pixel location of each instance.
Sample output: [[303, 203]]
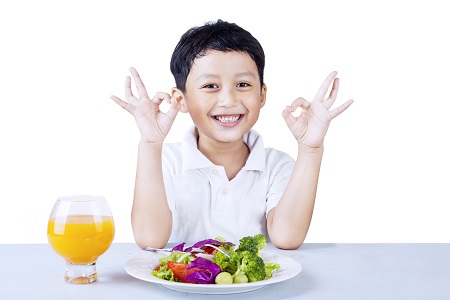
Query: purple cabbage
[[179, 247], [201, 244], [206, 273]]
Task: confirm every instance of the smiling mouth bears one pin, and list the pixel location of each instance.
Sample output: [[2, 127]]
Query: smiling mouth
[[228, 119]]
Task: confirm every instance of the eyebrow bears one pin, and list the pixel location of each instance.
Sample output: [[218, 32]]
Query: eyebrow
[[207, 76], [214, 76], [245, 74]]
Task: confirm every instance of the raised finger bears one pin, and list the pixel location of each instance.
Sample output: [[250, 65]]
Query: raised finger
[[142, 92], [128, 93], [125, 105], [328, 102], [338, 110], [324, 87]]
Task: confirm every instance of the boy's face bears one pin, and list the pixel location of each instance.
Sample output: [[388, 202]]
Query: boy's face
[[223, 95]]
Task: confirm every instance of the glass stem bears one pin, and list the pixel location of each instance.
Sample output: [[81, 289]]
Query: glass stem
[[80, 274]]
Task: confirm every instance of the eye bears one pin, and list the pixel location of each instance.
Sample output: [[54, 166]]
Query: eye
[[210, 86], [242, 84]]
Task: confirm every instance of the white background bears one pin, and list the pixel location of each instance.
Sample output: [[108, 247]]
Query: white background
[[385, 172]]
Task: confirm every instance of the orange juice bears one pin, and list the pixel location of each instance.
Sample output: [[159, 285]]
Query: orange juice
[[81, 239]]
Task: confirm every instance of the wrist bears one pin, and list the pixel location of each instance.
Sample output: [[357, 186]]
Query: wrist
[[150, 145], [307, 149]]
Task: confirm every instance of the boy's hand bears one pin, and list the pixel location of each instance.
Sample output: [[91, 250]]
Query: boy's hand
[[153, 124], [310, 127]]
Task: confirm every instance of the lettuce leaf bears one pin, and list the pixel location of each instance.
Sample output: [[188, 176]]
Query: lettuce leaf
[[175, 256], [270, 267], [164, 273]]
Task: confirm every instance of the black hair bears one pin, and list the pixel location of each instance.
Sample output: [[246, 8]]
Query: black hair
[[220, 36]]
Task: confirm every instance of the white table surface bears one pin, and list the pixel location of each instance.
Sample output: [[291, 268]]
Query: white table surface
[[330, 271]]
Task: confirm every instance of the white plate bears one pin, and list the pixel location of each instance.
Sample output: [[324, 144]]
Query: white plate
[[141, 267]]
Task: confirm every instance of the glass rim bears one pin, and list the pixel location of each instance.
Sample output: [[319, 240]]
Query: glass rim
[[82, 198]]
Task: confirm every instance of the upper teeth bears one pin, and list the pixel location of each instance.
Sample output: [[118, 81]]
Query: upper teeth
[[228, 119]]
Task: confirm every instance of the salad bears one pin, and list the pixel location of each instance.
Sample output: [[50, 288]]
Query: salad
[[211, 266]]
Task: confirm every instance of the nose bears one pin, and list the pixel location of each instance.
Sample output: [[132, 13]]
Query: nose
[[228, 98]]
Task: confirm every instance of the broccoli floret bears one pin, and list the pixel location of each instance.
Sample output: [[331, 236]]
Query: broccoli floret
[[245, 259], [245, 262], [226, 264], [252, 265], [253, 244]]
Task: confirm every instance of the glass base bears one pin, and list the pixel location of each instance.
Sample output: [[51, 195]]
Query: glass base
[[80, 274]]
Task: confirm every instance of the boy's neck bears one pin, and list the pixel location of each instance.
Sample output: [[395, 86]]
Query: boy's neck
[[232, 156]]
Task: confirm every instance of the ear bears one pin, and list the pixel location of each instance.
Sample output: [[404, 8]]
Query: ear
[[179, 96], [263, 95]]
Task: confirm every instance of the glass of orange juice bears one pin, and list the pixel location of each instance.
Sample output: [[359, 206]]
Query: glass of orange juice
[[80, 229]]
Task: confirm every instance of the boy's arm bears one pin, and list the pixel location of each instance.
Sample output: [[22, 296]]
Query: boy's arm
[[288, 222], [151, 217]]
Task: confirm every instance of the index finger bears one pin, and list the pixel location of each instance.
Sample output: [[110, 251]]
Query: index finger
[[142, 92], [324, 87]]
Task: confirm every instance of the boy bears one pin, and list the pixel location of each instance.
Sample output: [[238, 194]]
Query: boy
[[221, 181]]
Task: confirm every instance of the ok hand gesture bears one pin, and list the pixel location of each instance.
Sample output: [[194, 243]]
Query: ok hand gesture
[[310, 127], [154, 125]]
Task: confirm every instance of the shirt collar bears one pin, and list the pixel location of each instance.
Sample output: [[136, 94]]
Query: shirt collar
[[194, 159], [257, 159]]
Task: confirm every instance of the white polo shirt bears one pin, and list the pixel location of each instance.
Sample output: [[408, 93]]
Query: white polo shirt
[[205, 204]]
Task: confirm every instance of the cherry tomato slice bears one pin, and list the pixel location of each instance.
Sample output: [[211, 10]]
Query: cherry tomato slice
[[178, 269], [180, 272], [209, 250]]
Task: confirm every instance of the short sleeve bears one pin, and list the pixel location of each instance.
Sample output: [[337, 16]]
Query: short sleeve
[[280, 166], [170, 164]]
